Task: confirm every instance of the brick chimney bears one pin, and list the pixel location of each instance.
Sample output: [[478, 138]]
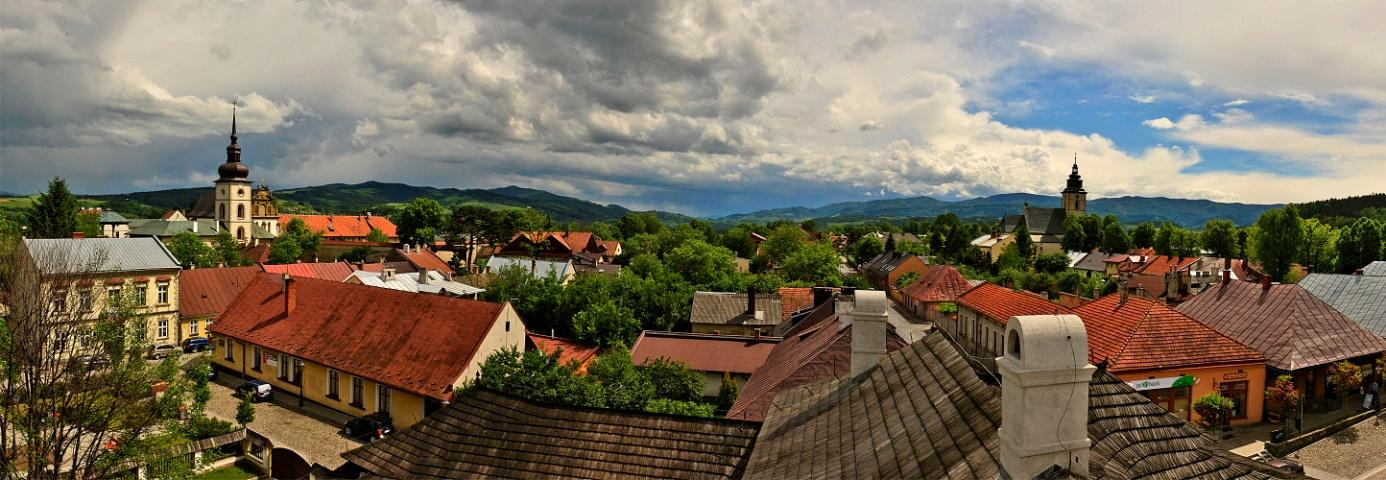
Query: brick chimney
[[1044, 395], [868, 330], [79, 235], [751, 300], [1265, 282], [290, 295]]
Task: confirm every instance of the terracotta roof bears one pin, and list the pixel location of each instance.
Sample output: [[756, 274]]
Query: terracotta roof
[[1000, 303], [923, 413], [384, 335], [729, 308], [610, 247], [818, 348], [572, 351], [337, 226], [941, 283], [1161, 264], [704, 352], [424, 258], [1361, 297], [207, 291], [258, 253], [491, 435], [1292, 328], [793, 299], [1144, 335], [334, 271]]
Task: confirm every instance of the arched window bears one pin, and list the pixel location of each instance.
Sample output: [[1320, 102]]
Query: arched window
[[240, 212], [221, 212], [1013, 344], [240, 233]]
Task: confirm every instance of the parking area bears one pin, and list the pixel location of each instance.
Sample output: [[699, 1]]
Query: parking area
[[312, 432]]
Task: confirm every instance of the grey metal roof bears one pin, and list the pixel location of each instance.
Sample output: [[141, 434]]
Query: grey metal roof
[[409, 282], [99, 255], [729, 308], [1375, 269], [168, 228], [1359, 297], [110, 216], [1094, 262]]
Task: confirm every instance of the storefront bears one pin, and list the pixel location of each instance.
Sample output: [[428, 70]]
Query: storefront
[[1235, 387], [1174, 394]]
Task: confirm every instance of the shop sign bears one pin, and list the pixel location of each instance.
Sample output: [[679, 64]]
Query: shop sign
[[271, 359], [1159, 383], [1234, 376]]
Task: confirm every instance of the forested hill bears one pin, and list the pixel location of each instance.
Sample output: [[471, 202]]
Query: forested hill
[[1187, 213], [1343, 207], [382, 198]]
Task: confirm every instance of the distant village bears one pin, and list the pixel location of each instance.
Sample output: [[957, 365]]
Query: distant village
[[461, 341]]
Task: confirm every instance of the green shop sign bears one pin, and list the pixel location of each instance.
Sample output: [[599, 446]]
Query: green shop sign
[[1166, 382]]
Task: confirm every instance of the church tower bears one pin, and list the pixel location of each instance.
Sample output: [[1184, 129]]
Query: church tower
[[233, 192], [1075, 198]]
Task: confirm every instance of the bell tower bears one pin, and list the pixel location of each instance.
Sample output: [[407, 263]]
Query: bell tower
[[233, 191], [1075, 198]]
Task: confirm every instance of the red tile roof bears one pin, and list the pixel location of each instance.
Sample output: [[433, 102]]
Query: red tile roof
[[334, 271], [423, 258], [1161, 264], [940, 283], [610, 247], [1000, 303], [338, 226], [572, 350], [207, 291], [1146, 335], [1292, 328], [392, 337], [704, 352], [793, 299]]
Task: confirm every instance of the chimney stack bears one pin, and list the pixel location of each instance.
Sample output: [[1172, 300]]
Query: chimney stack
[[1122, 286], [290, 295], [1265, 282], [387, 274], [78, 235], [822, 295], [423, 276], [1357, 272], [751, 300], [868, 330], [1044, 395]]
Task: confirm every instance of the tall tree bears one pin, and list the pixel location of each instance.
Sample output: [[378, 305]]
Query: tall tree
[[53, 214], [1092, 231], [701, 263], [816, 263], [1143, 236], [889, 242], [1359, 244], [1114, 238], [866, 248], [1074, 237], [783, 242], [1023, 243], [1279, 237], [1164, 239], [1220, 238], [420, 220], [229, 250], [188, 248], [1317, 251], [472, 225]]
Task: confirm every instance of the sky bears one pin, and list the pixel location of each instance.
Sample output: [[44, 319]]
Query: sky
[[704, 107]]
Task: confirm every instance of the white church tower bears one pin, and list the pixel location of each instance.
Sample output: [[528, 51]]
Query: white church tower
[[233, 192]]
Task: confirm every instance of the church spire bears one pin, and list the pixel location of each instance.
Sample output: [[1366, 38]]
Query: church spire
[[233, 169], [233, 126], [1075, 155]]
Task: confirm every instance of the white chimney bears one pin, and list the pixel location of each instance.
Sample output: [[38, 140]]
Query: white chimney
[[1044, 395], [194, 226], [387, 274], [868, 330], [423, 276]]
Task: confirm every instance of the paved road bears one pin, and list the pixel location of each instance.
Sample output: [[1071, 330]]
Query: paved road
[[316, 440], [905, 323]]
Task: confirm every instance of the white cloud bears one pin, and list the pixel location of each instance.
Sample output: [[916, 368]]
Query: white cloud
[[1233, 115], [1161, 123], [1142, 98], [1187, 122], [1237, 102], [1041, 50]]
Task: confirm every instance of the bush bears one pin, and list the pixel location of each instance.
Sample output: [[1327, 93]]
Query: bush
[[1345, 377], [199, 428], [679, 407], [727, 393], [1211, 408], [1051, 263]]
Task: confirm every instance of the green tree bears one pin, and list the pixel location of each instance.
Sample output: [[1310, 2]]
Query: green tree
[[889, 242], [783, 242], [377, 235], [1278, 240], [229, 250], [1220, 238], [906, 279], [285, 250], [1359, 244], [52, 214], [606, 324], [1164, 238], [420, 220], [1114, 238], [1069, 281], [1184, 243], [1038, 282], [1024, 245], [473, 225], [1144, 235], [701, 263], [297, 232], [245, 411], [198, 371], [89, 223], [625, 387], [738, 239], [815, 263], [539, 377], [677, 407], [1319, 240], [1010, 259], [674, 380], [1092, 232], [866, 248], [188, 248], [1052, 263], [1074, 237], [727, 393]]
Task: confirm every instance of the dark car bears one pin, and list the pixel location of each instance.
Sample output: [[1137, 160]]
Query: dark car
[[369, 427], [258, 390], [195, 344], [90, 362]]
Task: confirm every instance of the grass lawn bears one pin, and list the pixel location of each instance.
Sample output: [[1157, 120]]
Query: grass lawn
[[233, 472]]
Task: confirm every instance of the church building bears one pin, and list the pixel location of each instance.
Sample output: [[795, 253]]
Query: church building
[[247, 212], [1046, 225]]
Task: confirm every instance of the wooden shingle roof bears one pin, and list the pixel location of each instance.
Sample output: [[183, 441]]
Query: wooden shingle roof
[[493, 435], [923, 413]]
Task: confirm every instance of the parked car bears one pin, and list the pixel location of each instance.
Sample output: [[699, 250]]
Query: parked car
[[369, 427], [258, 390], [1280, 463], [196, 344], [160, 351], [90, 362]]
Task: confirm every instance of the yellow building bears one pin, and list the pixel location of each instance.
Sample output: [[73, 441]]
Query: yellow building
[[359, 349], [84, 277]]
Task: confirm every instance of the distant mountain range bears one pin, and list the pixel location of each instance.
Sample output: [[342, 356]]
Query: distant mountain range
[[1188, 213], [384, 197]]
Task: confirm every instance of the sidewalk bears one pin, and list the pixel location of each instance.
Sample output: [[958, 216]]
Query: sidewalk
[[1249, 440], [311, 431], [907, 325]]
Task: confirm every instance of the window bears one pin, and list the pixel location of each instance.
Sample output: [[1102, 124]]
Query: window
[[1237, 392], [60, 301], [229, 356], [240, 233], [240, 212], [60, 342], [382, 398], [331, 384], [356, 387], [84, 297], [113, 296], [142, 294], [255, 360], [283, 361], [221, 211], [163, 293], [163, 328], [192, 328]]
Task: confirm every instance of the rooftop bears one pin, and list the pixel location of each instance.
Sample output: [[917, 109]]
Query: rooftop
[[1144, 335], [704, 352], [425, 258], [941, 283], [208, 291], [334, 271], [730, 308], [1000, 303], [409, 282], [571, 350], [1361, 297], [56, 256], [539, 268], [336, 226]]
